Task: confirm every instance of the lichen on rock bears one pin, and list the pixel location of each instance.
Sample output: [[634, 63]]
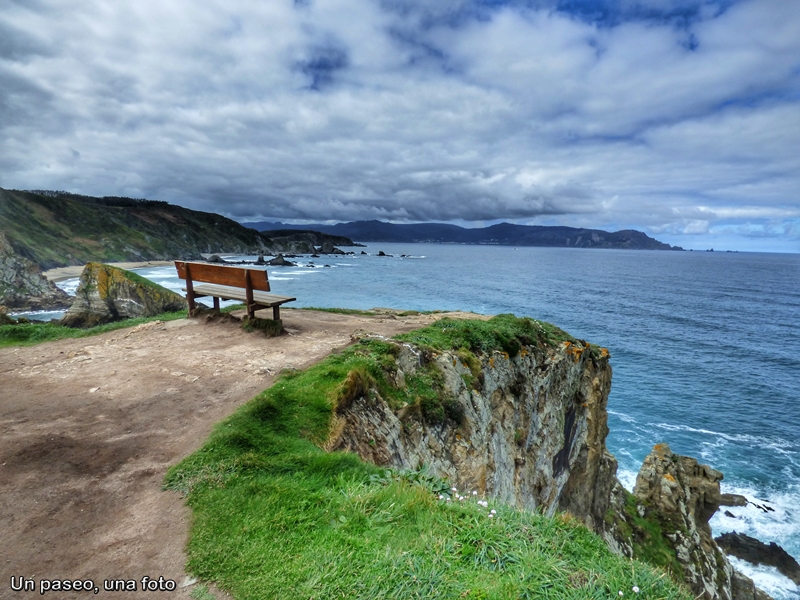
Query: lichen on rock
[[106, 294]]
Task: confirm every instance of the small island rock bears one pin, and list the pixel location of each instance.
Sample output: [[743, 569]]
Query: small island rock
[[280, 261]]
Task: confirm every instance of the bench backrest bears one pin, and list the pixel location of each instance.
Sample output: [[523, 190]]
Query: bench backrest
[[223, 275]]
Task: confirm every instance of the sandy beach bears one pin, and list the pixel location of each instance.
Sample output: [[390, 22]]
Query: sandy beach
[[62, 273]]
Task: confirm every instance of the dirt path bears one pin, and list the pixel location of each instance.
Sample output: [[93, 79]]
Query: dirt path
[[90, 427]]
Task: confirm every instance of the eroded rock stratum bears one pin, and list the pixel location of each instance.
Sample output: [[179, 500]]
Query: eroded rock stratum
[[530, 430], [107, 294]]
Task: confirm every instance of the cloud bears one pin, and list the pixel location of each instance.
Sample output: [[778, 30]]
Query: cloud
[[673, 116]]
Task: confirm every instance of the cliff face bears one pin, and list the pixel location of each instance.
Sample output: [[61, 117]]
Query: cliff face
[[22, 285], [107, 294], [533, 435], [530, 430]]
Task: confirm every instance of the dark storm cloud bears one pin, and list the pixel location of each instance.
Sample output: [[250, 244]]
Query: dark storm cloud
[[675, 116], [322, 63]]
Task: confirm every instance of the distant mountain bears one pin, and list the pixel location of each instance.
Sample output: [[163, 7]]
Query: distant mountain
[[504, 234], [55, 229]]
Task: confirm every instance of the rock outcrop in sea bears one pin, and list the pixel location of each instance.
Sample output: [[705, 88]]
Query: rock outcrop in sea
[[22, 285], [530, 430], [106, 294], [758, 553]]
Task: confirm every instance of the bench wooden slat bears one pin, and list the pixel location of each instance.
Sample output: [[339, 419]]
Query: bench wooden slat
[[223, 275], [231, 293]]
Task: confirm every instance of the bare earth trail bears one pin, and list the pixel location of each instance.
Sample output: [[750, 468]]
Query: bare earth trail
[[89, 427]]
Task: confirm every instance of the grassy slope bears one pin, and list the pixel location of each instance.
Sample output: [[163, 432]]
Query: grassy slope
[[67, 230], [277, 517], [30, 334], [57, 231]]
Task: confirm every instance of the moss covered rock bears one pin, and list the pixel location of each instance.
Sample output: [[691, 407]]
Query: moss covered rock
[[107, 294]]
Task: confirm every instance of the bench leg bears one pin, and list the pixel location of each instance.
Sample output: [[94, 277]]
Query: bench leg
[[276, 312], [251, 311], [216, 304]]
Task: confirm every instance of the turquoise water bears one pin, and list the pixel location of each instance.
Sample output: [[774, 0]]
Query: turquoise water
[[705, 347]]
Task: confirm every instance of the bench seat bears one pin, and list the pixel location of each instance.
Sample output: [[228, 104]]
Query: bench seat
[[226, 292]]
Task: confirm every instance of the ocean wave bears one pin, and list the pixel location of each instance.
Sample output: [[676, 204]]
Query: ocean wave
[[627, 478], [775, 443], [70, 286], [622, 416], [768, 579]]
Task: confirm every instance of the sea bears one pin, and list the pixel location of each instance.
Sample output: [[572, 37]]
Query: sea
[[705, 348]]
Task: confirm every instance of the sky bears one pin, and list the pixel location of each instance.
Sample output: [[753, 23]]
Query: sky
[[680, 118]]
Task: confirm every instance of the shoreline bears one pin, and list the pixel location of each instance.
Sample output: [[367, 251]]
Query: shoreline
[[62, 273]]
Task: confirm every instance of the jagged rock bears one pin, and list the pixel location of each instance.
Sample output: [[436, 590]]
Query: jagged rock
[[328, 248], [107, 294], [215, 258], [679, 496], [732, 500], [530, 431], [381, 253], [280, 261], [532, 435], [22, 285], [260, 260], [758, 553], [362, 252]]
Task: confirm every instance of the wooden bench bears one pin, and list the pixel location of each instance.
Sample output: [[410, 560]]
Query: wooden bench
[[224, 282]]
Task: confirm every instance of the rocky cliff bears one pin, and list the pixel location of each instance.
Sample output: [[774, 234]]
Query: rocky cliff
[[22, 285], [527, 425], [106, 294]]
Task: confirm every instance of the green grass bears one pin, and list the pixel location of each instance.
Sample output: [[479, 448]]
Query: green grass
[[502, 332], [277, 517], [647, 536], [29, 334]]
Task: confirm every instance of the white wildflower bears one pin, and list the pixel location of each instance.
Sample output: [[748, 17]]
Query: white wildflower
[[635, 589], [474, 493], [491, 516], [620, 593], [493, 511]]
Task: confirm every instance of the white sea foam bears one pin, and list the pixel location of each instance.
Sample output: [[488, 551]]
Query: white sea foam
[[768, 579], [763, 442], [622, 416], [781, 525], [627, 478], [69, 285], [39, 315]]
